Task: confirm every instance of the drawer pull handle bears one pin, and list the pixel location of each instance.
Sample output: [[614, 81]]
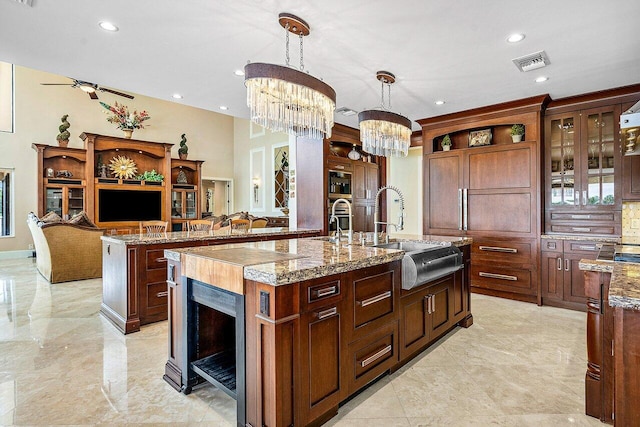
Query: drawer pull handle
[[327, 313], [161, 259], [582, 229], [369, 360], [498, 276], [375, 299], [162, 294], [567, 264], [326, 291], [559, 264], [338, 166], [580, 216], [587, 247], [498, 249]]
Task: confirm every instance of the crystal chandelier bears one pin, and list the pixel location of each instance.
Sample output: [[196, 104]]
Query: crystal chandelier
[[382, 132], [285, 99]]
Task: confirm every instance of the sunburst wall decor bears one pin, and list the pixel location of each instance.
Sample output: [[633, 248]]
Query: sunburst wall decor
[[123, 167]]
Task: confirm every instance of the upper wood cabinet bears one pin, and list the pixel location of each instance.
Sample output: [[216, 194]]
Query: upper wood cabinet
[[583, 176], [186, 184]]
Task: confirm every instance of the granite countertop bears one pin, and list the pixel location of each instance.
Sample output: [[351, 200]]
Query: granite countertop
[[307, 258], [601, 239], [431, 238], [624, 289], [190, 236]]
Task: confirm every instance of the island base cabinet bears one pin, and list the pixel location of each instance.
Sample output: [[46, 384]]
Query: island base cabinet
[[626, 349]]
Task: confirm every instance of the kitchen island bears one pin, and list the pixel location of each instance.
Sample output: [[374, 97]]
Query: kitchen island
[[612, 381], [134, 269], [292, 328]]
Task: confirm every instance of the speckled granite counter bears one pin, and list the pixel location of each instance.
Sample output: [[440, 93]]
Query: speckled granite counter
[[431, 238], [192, 236], [601, 239], [314, 257], [624, 290]]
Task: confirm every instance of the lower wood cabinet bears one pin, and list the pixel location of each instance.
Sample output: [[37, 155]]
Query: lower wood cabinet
[[562, 281]]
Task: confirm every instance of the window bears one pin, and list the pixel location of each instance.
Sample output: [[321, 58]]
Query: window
[[6, 202], [6, 97]]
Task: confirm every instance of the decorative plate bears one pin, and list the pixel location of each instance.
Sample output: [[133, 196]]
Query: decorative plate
[[123, 167]]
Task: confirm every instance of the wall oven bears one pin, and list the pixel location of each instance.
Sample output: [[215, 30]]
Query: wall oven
[[342, 213]]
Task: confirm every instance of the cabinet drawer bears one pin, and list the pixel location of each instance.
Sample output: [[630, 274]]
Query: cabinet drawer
[[590, 217], [587, 246], [320, 292], [372, 355], [156, 259], [501, 278], [339, 164], [583, 229], [503, 251], [373, 297]]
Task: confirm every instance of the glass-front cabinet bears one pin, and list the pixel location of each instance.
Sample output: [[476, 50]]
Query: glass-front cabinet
[[582, 153], [183, 208], [65, 201]]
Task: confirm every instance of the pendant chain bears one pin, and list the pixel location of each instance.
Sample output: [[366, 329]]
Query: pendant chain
[[301, 55], [286, 31]]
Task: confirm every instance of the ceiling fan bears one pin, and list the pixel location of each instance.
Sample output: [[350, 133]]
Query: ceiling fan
[[89, 88]]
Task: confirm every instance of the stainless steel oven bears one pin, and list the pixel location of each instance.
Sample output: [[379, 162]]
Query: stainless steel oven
[[342, 213]]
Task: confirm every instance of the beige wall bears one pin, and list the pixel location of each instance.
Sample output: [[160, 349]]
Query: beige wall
[[37, 116], [406, 174], [244, 142]]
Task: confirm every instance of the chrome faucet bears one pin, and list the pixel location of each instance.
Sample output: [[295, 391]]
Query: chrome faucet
[[334, 217], [376, 214]]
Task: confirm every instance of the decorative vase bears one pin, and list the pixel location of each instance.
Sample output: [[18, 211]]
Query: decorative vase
[[183, 156], [127, 133], [63, 142], [446, 147], [516, 138]]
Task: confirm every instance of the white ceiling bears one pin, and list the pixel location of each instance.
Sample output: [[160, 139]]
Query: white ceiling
[[454, 50]]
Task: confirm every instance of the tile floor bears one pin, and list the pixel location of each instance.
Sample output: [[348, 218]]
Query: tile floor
[[61, 363]]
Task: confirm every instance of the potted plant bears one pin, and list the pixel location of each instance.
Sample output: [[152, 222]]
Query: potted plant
[[125, 120], [63, 136], [517, 132], [183, 150], [446, 143]]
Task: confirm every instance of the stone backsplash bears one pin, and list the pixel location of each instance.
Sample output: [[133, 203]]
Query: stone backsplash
[[631, 219]]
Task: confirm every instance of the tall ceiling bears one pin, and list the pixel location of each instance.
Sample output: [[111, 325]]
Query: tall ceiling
[[451, 50]]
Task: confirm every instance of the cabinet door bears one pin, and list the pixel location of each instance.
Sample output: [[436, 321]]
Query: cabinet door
[[75, 200], [414, 331], [190, 202], [444, 192], [53, 200], [552, 275], [441, 313], [320, 360], [631, 178], [359, 188], [600, 158], [371, 181], [177, 206], [562, 137], [501, 190]]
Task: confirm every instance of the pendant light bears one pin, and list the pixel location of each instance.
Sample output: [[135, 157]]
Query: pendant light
[[285, 99], [382, 132], [354, 154]]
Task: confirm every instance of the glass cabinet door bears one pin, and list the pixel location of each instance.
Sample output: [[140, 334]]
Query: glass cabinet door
[[76, 201], [563, 163], [190, 204], [176, 204], [599, 152], [53, 201]]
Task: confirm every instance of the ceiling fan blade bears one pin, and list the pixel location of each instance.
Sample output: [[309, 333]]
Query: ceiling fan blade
[[115, 92], [92, 95]]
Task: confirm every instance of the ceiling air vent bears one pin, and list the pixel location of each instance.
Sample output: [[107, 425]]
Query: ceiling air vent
[[346, 111], [532, 61]]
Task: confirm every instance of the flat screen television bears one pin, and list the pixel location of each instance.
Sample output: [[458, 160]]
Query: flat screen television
[[129, 205]]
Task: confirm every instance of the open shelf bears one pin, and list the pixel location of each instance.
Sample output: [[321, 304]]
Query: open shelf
[[220, 370]]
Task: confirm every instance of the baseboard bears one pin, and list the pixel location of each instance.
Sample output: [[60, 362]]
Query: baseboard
[[28, 253]]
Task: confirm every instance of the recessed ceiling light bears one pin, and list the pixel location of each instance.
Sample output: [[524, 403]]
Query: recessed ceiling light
[[515, 38], [224, 107], [107, 26], [238, 73], [542, 79], [177, 96], [439, 102]]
